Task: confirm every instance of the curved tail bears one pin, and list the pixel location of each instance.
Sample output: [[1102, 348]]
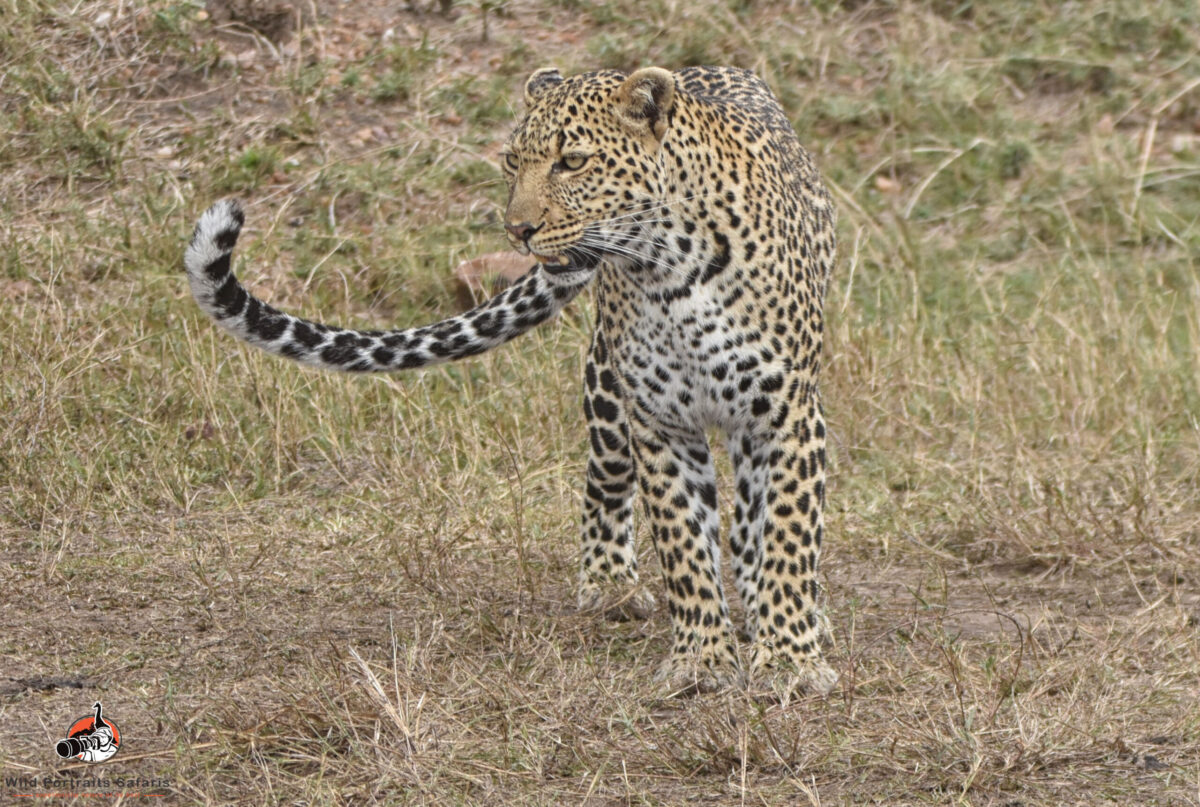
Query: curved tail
[[532, 300]]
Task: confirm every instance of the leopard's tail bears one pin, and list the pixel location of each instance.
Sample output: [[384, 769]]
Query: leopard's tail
[[532, 300]]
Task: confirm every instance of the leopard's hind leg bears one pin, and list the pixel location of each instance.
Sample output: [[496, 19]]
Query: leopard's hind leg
[[608, 566]]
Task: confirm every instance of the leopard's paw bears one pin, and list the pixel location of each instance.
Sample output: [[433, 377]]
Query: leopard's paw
[[617, 602], [776, 674], [681, 676]]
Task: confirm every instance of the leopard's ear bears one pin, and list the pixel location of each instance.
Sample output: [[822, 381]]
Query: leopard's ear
[[539, 82], [644, 101]]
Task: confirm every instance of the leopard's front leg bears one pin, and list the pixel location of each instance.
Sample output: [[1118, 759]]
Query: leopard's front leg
[[787, 645], [749, 458], [677, 482]]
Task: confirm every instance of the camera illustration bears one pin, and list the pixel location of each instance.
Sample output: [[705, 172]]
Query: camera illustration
[[90, 739]]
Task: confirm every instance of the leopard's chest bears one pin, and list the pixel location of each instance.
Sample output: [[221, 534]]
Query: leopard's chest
[[692, 361]]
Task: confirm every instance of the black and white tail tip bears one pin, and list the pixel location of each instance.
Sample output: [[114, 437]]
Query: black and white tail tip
[[208, 254]]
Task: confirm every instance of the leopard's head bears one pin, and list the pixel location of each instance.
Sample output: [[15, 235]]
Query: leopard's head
[[582, 165]]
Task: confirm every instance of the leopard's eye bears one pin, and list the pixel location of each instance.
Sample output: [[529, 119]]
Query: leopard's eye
[[573, 162], [511, 161]]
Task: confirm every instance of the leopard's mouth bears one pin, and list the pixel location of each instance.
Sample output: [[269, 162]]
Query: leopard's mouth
[[575, 260], [549, 260], [567, 261], [570, 260]]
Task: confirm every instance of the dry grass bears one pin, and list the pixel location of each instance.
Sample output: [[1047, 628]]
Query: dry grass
[[302, 589]]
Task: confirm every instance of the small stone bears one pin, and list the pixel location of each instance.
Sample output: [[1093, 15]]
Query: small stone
[[885, 185], [480, 277], [1182, 142], [1153, 763]]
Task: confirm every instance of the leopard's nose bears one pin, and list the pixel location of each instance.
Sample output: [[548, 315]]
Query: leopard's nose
[[521, 231]]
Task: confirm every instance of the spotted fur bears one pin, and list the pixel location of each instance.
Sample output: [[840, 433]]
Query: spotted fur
[[709, 236]]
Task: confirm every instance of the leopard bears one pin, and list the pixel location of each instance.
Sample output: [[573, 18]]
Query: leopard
[[686, 203]]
